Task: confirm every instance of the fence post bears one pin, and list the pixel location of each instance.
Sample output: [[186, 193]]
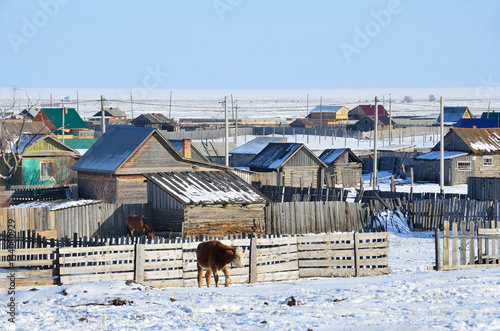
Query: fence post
[[356, 257], [253, 259], [139, 263], [437, 250]]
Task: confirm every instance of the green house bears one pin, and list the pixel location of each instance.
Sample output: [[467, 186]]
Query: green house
[[46, 161]]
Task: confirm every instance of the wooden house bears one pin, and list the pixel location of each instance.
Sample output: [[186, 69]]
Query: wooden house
[[468, 152], [288, 164], [302, 123], [328, 115], [204, 203], [112, 168], [367, 123], [453, 114], [343, 167], [186, 148], [111, 115], [155, 120], [479, 123], [64, 120], [46, 161], [362, 111], [245, 153]]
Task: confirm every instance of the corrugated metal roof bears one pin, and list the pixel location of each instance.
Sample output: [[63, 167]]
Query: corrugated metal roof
[[274, 156], [369, 110], [256, 145], [326, 109], [480, 123], [436, 155], [493, 114], [480, 141], [114, 147], [71, 119], [206, 187]]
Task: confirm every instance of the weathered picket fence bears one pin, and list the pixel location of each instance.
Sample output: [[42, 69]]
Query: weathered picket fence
[[430, 214], [483, 247], [266, 258], [316, 217]]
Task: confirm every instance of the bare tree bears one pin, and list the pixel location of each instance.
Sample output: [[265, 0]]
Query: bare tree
[[408, 99], [13, 140], [432, 98]]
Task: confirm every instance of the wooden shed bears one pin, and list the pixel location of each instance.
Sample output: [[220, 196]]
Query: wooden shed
[[288, 164], [469, 151], [245, 153], [112, 168], [343, 167], [328, 115], [204, 203]]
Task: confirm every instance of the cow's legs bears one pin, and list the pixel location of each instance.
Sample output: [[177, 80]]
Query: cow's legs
[[208, 275], [200, 274], [216, 277], [226, 274]]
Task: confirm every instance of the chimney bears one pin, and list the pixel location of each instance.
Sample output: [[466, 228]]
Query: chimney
[[186, 148]]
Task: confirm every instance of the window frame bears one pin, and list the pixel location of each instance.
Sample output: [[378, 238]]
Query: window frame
[[40, 175], [490, 162], [468, 163]]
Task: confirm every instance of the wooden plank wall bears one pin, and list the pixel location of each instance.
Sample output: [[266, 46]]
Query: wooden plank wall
[[266, 258], [478, 248], [315, 217], [100, 219], [483, 188], [428, 214]]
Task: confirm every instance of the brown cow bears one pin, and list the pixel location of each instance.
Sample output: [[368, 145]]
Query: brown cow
[[214, 255], [139, 223]]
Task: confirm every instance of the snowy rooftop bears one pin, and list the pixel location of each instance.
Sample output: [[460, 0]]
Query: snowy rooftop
[[256, 145], [209, 187], [436, 155]]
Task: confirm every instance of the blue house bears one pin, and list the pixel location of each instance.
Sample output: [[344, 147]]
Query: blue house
[[453, 114]]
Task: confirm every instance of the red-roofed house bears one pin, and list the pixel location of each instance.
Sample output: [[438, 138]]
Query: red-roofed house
[[362, 111]]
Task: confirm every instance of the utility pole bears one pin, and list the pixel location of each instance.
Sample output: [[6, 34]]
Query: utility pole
[[50, 100], [390, 120], [226, 145], [375, 152], [441, 149], [320, 117], [170, 107], [103, 121], [236, 126], [77, 106], [307, 105], [132, 105], [62, 104]]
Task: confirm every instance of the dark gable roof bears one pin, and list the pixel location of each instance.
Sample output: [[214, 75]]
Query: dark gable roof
[[154, 118], [274, 155], [480, 141], [111, 112], [206, 187], [330, 156], [114, 148], [254, 146], [452, 114]]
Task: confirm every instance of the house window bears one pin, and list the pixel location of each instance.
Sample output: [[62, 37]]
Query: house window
[[463, 166], [47, 170], [488, 160]]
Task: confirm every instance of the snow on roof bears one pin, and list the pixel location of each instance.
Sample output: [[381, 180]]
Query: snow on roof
[[326, 109], [329, 156], [255, 146], [436, 155], [208, 187], [480, 140], [273, 156], [56, 205]]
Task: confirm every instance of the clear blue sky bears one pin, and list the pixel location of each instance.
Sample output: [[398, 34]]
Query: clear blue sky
[[249, 43]]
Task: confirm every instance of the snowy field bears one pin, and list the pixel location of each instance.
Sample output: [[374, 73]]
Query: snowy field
[[410, 298]]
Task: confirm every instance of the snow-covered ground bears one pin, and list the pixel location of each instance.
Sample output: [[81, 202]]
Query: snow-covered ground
[[410, 298]]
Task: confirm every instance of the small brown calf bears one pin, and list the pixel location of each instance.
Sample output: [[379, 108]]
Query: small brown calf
[[213, 256]]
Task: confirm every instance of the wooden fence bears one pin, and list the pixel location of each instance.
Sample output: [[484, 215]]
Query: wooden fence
[[483, 247], [316, 217], [99, 219], [430, 214], [289, 194], [266, 258], [483, 188]]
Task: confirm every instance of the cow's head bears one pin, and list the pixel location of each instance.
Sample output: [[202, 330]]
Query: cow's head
[[238, 258]]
